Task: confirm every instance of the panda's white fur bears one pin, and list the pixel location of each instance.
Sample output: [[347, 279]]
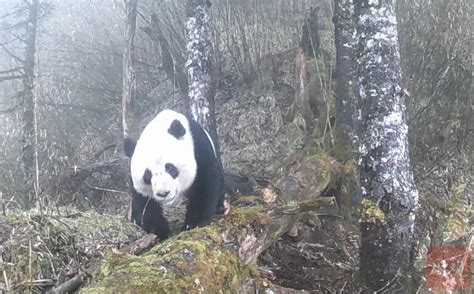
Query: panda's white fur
[[177, 181], [154, 149]]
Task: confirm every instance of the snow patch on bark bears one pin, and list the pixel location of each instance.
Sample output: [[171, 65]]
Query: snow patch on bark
[[198, 49], [384, 147]]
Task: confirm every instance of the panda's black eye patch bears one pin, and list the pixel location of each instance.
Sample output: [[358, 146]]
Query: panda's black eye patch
[[147, 177], [176, 129], [172, 170]]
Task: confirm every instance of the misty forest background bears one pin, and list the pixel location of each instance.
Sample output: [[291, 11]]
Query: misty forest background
[[64, 156]]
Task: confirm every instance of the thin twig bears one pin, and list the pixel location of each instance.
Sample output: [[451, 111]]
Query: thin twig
[[30, 266], [11, 54], [389, 283], [104, 189]]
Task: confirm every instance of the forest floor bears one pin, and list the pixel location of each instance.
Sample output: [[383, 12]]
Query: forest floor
[[39, 252], [321, 259]]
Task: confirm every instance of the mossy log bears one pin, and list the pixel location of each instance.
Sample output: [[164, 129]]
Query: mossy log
[[217, 258]]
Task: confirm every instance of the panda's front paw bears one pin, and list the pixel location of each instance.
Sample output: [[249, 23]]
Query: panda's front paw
[[204, 223], [201, 224], [187, 227]]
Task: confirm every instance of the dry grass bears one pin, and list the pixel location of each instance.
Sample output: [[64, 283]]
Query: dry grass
[[38, 252]]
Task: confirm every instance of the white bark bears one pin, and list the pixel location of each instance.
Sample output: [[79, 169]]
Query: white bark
[[199, 59], [385, 171]]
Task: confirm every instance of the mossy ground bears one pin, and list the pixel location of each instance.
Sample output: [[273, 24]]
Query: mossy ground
[[190, 262]]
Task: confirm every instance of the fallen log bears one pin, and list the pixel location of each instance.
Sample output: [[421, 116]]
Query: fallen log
[[218, 257], [71, 285]]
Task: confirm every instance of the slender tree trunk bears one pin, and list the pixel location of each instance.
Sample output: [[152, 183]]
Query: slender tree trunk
[[198, 64], [174, 72], [346, 71], [28, 132], [388, 187], [129, 81], [129, 87], [199, 60]]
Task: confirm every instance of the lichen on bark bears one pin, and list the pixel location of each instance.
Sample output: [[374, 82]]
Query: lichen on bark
[[198, 49], [384, 164]]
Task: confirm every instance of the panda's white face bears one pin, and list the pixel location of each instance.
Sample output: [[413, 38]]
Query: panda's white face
[[163, 165]]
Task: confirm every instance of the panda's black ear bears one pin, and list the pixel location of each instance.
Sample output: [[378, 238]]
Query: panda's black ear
[[176, 129], [129, 146]]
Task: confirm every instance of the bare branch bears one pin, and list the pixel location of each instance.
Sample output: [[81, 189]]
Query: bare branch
[[17, 37], [8, 78], [10, 70], [13, 13], [11, 54]]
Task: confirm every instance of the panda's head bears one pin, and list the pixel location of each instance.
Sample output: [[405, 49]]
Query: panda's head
[[162, 163]]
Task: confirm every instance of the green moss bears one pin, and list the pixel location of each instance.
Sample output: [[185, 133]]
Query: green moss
[[193, 261], [152, 272], [371, 213], [348, 190], [146, 277], [310, 218]]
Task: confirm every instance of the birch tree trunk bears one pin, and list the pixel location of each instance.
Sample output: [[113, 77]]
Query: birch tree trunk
[[388, 187], [129, 86], [199, 60], [27, 115], [198, 65]]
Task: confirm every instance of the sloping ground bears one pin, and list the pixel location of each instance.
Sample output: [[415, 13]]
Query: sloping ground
[[322, 259], [38, 251]]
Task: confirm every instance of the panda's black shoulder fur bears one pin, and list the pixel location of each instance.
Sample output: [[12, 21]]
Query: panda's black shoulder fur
[[205, 194]]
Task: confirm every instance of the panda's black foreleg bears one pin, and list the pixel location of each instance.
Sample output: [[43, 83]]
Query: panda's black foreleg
[[192, 211], [205, 198], [214, 195], [147, 213]]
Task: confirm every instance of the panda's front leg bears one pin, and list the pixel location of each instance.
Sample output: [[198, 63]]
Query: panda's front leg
[[204, 198], [192, 214], [215, 196], [147, 213]]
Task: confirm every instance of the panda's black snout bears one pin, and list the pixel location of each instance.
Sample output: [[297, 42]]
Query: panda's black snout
[[163, 194]]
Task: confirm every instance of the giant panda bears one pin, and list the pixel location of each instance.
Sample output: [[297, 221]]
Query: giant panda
[[177, 182]]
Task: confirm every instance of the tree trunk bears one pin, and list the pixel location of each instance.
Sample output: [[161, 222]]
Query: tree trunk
[[168, 56], [129, 86], [388, 187], [27, 116], [346, 71], [199, 60], [198, 65]]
